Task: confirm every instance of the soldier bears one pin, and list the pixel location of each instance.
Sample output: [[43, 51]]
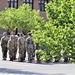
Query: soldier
[[16, 39], [22, 48], [4, 41], [11, 47], [30, 47]]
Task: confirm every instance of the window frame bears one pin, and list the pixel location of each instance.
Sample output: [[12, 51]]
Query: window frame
[[13, 3], [31, 3], [41, 4]]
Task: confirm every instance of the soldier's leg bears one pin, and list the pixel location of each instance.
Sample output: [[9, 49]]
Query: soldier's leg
[[4, 53], [21, 55], [15, 52], [19, 58], [29, 55], [11, 54], [24, 54]]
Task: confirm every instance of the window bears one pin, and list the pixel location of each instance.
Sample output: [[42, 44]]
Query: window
[[13, 3], [42, 4], [30, 2]]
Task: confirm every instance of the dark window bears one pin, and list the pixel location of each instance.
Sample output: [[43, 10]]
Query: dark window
[[13, 3], [30, 2], [42, 4]]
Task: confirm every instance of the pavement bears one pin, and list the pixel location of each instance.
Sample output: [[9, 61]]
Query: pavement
[[23, 68]]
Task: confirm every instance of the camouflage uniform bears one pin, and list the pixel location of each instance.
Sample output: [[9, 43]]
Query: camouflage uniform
[[15, 51], [11, 46], [16, 39], [22, 48], [4, 41], [30, 48]]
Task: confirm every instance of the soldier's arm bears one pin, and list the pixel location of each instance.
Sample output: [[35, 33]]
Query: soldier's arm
[[1, 41], [8, 44], [25, 43], [18, 42]]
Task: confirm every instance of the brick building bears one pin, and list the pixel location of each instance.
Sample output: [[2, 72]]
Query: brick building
[[35, 4]]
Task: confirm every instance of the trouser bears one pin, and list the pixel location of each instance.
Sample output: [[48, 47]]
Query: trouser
[[15, 52], [30, 54], [11, 54], [4, 52], [24, 54], [21, 54]]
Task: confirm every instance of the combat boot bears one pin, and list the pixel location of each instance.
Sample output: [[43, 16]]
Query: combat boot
[[4, 59], [11, 59], [29, 61]]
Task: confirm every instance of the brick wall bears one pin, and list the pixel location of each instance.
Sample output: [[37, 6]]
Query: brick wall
[[3, 4]]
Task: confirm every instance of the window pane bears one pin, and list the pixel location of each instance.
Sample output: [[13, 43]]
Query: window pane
[[31, 5], [27, 0], [15, 0], [13, 3], [43, 7], [12, 0], [46, 1], [23, 0], [9, 4], [42, 4], [30, 0]]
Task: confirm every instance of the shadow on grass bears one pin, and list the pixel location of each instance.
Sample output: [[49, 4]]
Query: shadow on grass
[[5, 71]]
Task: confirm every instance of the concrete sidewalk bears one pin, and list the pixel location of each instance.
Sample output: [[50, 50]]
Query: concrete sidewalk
[[22, 68]]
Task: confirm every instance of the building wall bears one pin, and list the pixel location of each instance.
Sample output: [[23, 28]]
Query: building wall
[[20, 2], [36, 4], [4, 3], [43, 13]]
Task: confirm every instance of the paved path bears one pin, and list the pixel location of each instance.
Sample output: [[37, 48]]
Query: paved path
[[23, 68]]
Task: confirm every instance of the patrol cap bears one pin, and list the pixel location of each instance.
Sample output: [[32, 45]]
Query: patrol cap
[[12, 37], [29, 33], [4, 33]]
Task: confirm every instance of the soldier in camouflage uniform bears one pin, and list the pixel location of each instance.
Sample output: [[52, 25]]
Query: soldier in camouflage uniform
[[30, 47], [22, 47], [11, 47], [4, 41], [16, 39]]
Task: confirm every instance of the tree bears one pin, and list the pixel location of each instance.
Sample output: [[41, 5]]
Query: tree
[[58, 33], [8, 19], [61, 12], [23, 18], [28, 18]]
